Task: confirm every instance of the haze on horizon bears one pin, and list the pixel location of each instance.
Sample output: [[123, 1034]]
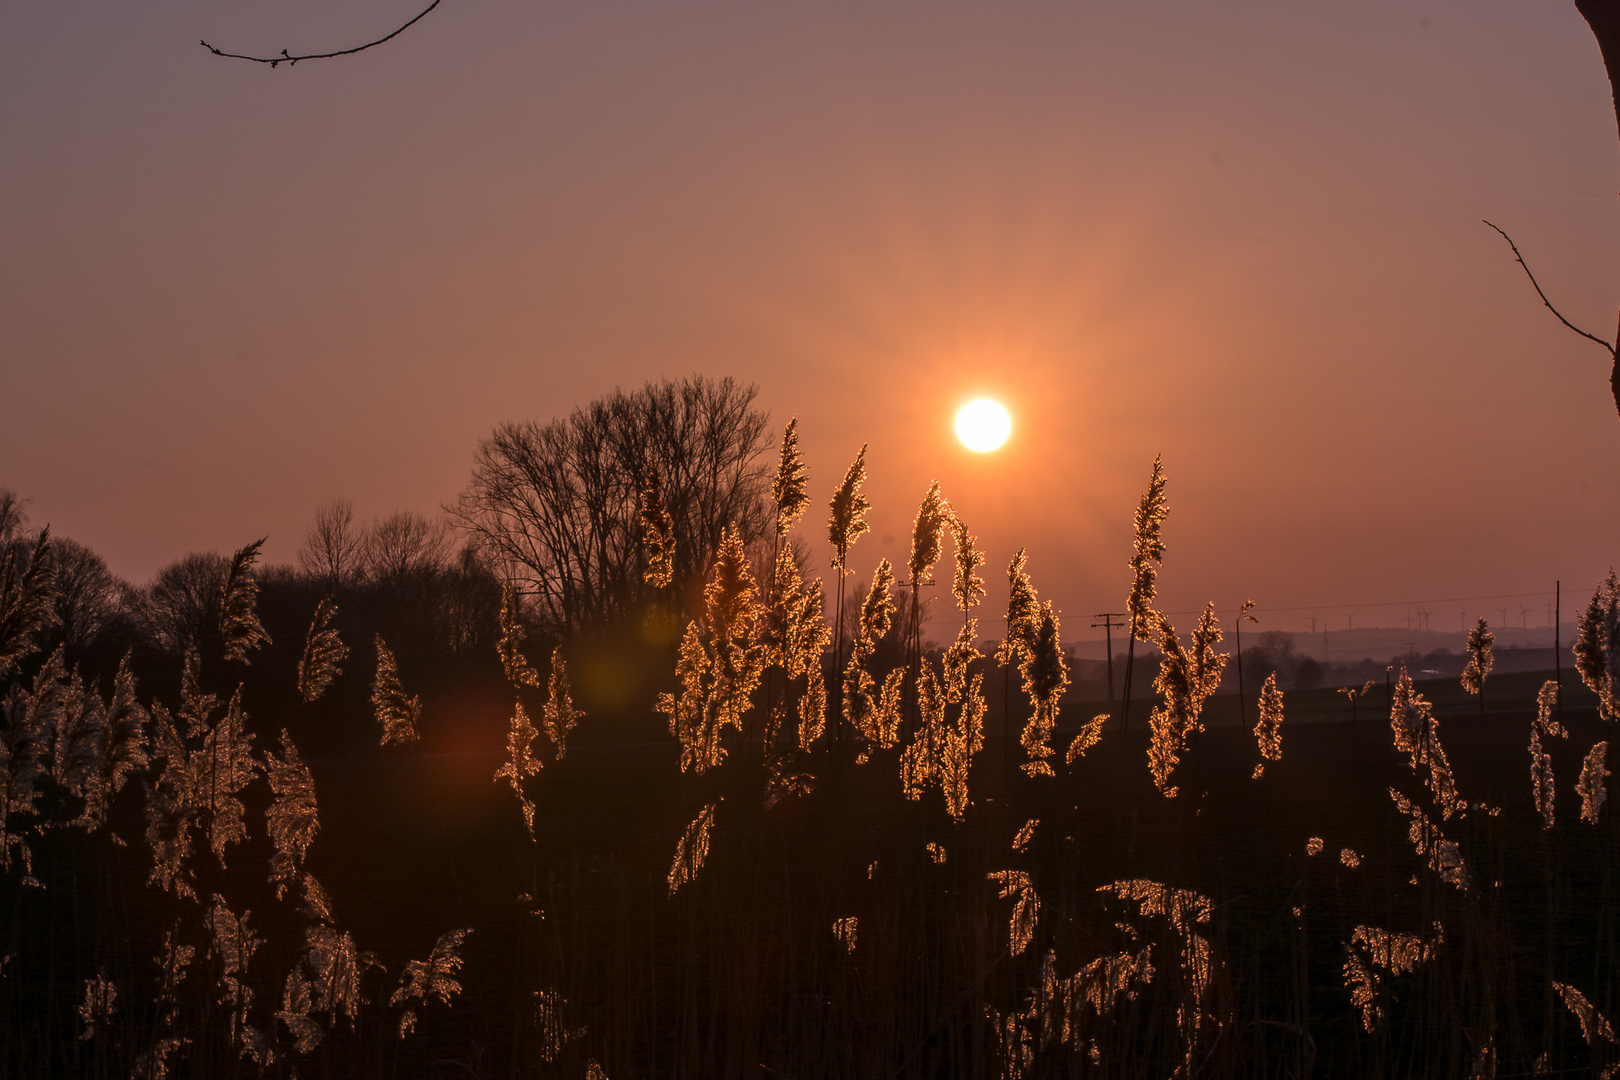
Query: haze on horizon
[[1247, 238]]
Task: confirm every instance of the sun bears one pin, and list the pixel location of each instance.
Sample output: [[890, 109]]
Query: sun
[[983, 425]]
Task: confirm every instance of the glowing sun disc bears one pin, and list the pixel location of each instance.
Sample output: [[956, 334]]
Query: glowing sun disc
[[983, 425]]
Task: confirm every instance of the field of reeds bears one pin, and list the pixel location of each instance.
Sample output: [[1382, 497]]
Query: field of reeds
[[826, 848]]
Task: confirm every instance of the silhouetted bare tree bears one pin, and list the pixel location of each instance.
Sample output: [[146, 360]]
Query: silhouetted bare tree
[[180, 607], [88, 595], [556, 506], [334, 549]]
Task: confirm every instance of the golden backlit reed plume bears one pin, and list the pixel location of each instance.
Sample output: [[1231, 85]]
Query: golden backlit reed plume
[[1089, 736], [1597, 647], [233, 942], [936, 852], [433, 978], [31, 718], [657, 533], [1371, 950], [1188, 675], [847, 520], [966, 585], [1268, 729], [323, 652], [397, 711], [239, 629], [95, 744], [812, 710], [293, 818], [788, 489], [1595, 1028], [877, 717], [1023, 613], [1592, 786], [920, 760], [1444, 856], [27, 597], [519, 672], [1025, 834], [520, 763], [1313, 846], [1480, 662], [928, 535], [1045, 672], [691, 850], [1350, 858], [847, 930], [1416, 733], [1147, 551], [721, 660], [1186, 911], [559, 716], [1016, 885], [957, 745], [1542, 786]]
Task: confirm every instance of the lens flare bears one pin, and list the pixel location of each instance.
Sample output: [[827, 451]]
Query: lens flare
[[983, 425]]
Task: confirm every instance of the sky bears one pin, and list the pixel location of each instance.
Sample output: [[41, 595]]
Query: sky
[[1246, 236]]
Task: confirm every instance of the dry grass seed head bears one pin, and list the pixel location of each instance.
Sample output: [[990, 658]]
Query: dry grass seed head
[[292, 819], [928, 535], [692, 850], [239, 628], [847, 520], [518, 670], [657, 534], [396, 711], [1089, 736], [788, 489], [1480, 659], [967, 586], [1592, 786], [1147, 549], [520, 762], [324, 651]]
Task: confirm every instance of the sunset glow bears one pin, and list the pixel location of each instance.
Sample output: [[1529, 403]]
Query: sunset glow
[[983, 425]]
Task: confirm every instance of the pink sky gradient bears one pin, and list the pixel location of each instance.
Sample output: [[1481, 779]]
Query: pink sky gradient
[[1244, 235]]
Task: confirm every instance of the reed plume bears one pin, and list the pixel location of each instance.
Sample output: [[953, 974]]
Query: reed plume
[[1045, 672], [99, 1004], [1089, 736], [1186, 911], [27, 597], [233, 943], [397, 712], [847, 930], [1023, 614], [433, 978], [657, 534], [1349, 857], [1416, 732], [119, 752], [324, 651], [552, 1034], [1025, 834], [876, 718], [847, 521], [936, 852], [1268, 729], [1444, 856], [1016, 885], [293, 818], [1593, 1024], [692, 850], [1541, 769], [1480, 661], [1371, 950], [959, 743], [239, 628], [519, 672], [520, 762], [1597, 647], [1592, 787], [1147, 555], [31, 719], [560, 716], [966, 585], [1188, 675], [928, 536], [788, 490]]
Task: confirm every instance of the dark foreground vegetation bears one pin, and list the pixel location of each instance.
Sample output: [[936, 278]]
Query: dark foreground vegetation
[[347, 820]]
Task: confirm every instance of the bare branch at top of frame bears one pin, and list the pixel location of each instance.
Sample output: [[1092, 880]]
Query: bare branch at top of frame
[[289, 59]]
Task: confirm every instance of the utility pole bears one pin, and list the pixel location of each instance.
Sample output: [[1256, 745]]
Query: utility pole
[[1108, 627]]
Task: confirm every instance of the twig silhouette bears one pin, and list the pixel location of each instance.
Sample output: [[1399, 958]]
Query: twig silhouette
[[289, 59], [1613, 349]]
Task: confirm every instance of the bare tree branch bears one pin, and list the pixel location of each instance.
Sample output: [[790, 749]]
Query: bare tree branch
[[285, 57], [1613, 352]]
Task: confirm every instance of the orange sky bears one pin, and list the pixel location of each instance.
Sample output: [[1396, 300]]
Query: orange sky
[[1244, 235]]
